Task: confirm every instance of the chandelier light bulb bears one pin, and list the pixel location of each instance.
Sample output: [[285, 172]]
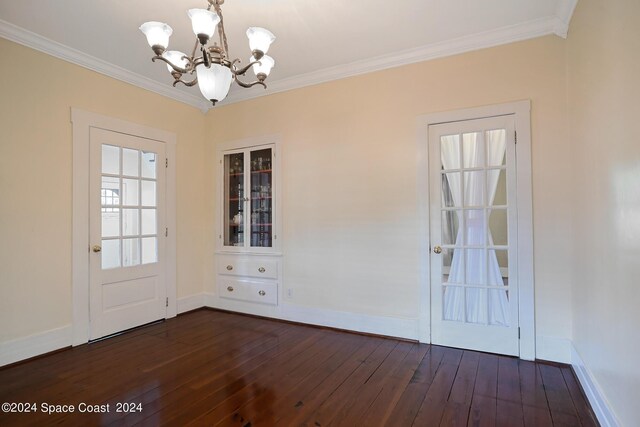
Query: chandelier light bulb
[[263, 69], [214, 82], [259, 41], [203, 23], [158, 34], [177, 58]]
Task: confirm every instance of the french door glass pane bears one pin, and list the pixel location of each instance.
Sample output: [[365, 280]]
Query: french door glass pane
[[148, 165], [148, 193], [130, 252], [148, 221], [130, 162], [110, 254], [130, 192], [110, 159], [130, 222]]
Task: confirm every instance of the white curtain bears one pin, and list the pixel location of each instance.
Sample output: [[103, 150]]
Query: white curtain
[[479, 271]]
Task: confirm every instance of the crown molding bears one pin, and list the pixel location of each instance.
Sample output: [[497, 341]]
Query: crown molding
[[35, 41], [557, 24], [500, 36], [564, 12]]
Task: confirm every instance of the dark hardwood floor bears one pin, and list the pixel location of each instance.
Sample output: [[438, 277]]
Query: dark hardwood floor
[[215, 368]]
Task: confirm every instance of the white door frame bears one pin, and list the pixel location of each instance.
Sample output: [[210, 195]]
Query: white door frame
[[82, 122], [521, 110]]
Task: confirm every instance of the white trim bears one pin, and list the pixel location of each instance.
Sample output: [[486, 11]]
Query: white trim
[[192, 302], [40, 43], [557, 24], [381, 325], [83, 121], [593, 391], [34, 345], [521, 110], [564, 12]]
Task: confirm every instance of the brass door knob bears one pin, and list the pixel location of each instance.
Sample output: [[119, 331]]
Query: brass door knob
[[437, 250], [229, 267], [230, 288], [97, 248], [262, 270], [262, 293]]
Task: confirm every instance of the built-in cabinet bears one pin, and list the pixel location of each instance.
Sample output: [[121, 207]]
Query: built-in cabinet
[[248, 255]]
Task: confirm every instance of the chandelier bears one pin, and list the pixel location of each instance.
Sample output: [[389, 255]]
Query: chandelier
[[214, 71]]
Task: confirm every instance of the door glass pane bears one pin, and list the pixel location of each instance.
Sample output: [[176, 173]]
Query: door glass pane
[[110, 159], [498, 227], [130, 222], [110, 222], [148, 221], [234, 199], [130, 192], [130, 162], [497, 185], [476, 308], [261, 198], [450, 227], [474, 188], [451, 257], [476, 266], [110, 254], [498, 307], [148, 165], [130, 252], [453, 303], [496, 147], [451, 193], [149, 250], [148, 193], [450, 152], [475, 227], [473, 150]]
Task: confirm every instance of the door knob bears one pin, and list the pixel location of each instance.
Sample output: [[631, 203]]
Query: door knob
[[97, 248], [437, 250]]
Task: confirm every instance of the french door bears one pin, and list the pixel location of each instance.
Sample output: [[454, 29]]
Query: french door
[[127, 232], [474, 287]]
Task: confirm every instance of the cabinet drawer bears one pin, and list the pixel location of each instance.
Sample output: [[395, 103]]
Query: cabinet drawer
[[248, 290], [263, 268]]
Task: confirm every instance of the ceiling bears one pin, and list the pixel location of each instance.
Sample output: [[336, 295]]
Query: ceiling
[[316, 41]]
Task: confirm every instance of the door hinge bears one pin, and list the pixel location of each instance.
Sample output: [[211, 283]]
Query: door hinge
[[166, 232], [518, 332], [166, 162], [515, 133], [167, 302]]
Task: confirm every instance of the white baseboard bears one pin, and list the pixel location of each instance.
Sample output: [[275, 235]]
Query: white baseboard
[[379, 325], [34, 345], [553, 349], [192, 302], [592, 390]]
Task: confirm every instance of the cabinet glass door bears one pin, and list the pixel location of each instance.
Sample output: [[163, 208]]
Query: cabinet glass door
[[261, 183], [234, 199]]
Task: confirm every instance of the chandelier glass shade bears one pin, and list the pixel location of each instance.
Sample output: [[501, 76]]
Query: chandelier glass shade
[[214, 71]]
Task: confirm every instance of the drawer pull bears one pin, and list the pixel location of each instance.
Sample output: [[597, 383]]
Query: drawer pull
[[230, 288], [229, 267], [262, 293], [262, 270]]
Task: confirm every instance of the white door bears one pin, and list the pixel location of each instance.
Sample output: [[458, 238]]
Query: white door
[[474, 289], [127, 233]]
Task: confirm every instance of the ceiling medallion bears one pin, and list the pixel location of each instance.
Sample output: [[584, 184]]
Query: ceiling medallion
[[214, 72]]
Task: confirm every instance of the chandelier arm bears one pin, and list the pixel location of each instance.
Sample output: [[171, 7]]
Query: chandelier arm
[[243, 70], [179, 80], [248, 85], [175, 67]]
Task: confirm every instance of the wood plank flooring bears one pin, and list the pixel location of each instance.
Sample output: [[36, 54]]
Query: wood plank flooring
[[209, 368]]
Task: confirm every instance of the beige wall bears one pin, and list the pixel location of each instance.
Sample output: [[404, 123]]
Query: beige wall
[[36, 174], [604, 91], [349, 160]]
